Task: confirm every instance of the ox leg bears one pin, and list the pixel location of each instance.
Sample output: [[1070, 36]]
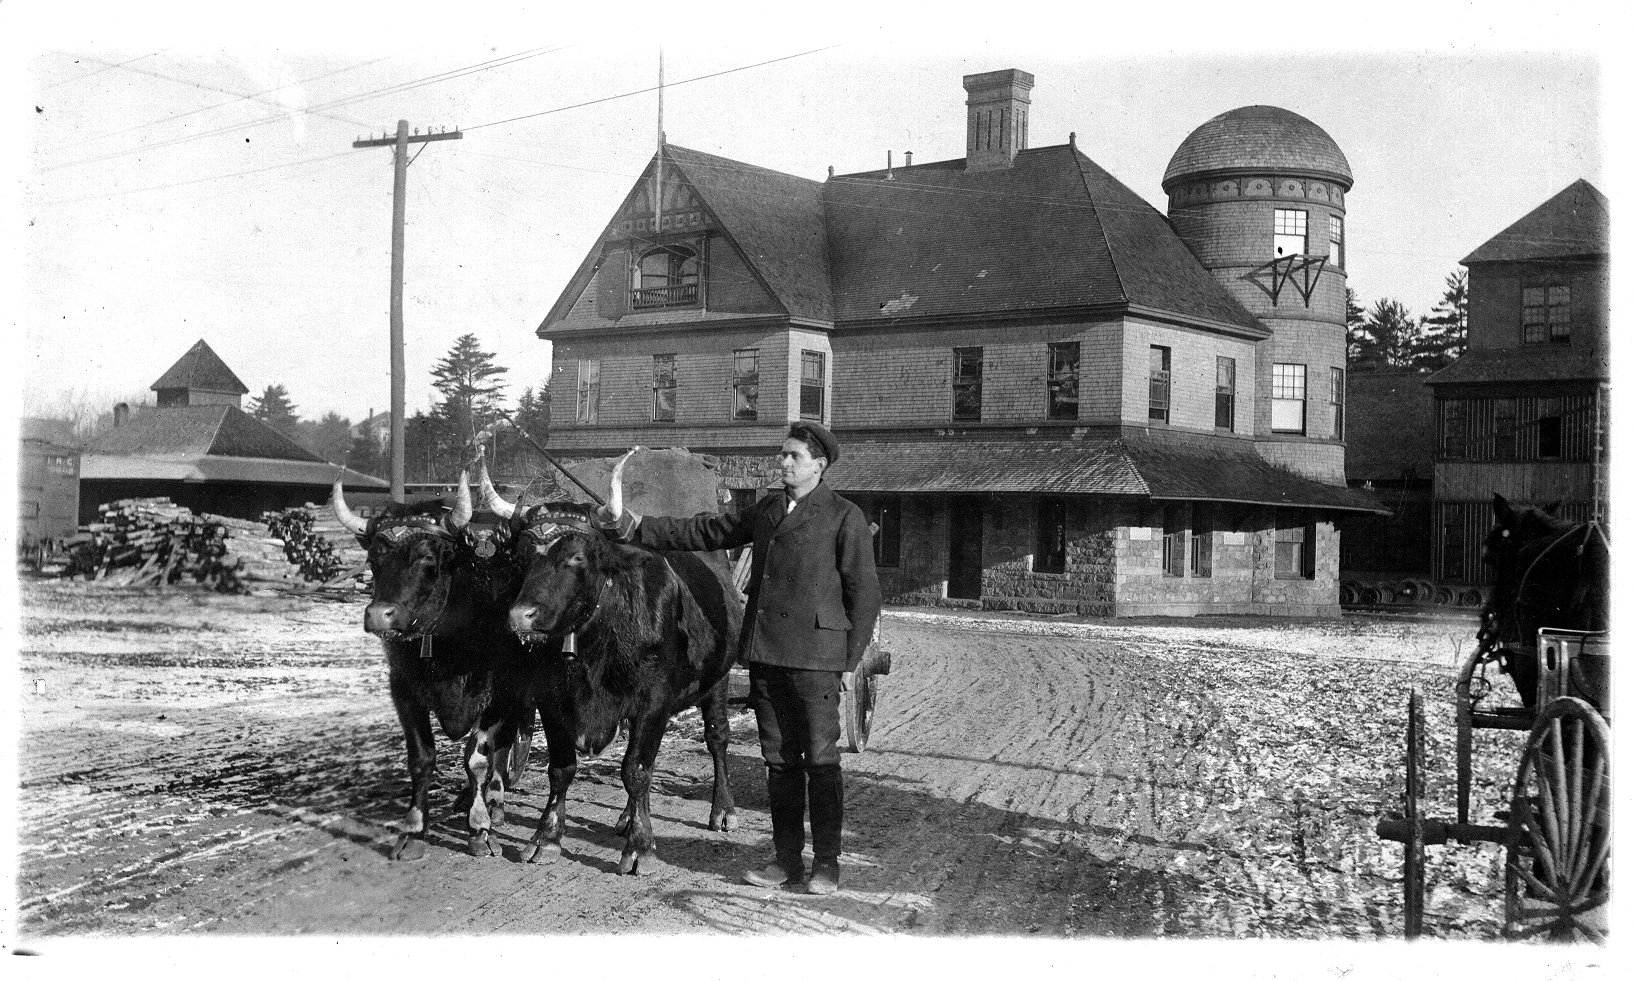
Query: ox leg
[[486, 753], [640, 855], [713, 707], [564, 763], [422, 751]]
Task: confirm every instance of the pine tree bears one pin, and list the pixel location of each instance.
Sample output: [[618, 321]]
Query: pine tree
[[1386, 338], [275, 409], [1448, 327], [365, 456], [467, 380], [1354, 312], [329, 437]]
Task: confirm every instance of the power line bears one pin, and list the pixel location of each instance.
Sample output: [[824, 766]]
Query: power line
[[105, 67], [650, 88], [243, 98], [319, 108], [208, 88], [199, 180]]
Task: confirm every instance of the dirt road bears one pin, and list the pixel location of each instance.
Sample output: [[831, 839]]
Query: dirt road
[[204, 764]]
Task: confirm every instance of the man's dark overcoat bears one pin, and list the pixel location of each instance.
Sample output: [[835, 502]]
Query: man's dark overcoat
[[813, 593]]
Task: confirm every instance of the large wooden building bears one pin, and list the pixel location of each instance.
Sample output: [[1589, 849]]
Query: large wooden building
[[1524, 410], [198, 448], [1050, 396]]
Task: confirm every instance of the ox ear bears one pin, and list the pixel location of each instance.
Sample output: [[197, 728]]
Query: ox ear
[[1502, 511]]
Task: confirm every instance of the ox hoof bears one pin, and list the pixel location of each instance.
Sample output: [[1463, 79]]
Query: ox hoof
[[724, 821], [639, 862], [481, 845], [408, 848], [536, 852]]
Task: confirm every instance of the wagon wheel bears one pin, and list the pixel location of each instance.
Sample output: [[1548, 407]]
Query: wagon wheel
[[1413, 799], [857, 703], [1558, 864]]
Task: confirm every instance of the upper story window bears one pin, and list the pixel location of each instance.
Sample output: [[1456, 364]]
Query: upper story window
[[968, 384], [746, 383], [811, 385], [1063, 381], [664, 388], [665, 277], [1549, 428], [1336, 241], [1289, 398], [1158, 384], [1454, 432], [1336, 401], [1546, 313], [1226, 393], [1288, 232], [589, 390]]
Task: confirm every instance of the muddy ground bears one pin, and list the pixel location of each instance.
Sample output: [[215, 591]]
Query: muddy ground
[[202, 764]]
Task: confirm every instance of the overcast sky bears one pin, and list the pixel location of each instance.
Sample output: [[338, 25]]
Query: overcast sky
[[187, 178]]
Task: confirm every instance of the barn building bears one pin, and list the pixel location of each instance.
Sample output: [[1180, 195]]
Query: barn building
[[1524, 410], [198, 448], [1390, 452], [1050, 396]]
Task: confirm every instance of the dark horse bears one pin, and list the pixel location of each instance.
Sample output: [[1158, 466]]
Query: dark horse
[[1547, 572], [626, 635]]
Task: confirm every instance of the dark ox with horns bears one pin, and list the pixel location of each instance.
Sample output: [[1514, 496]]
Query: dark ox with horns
[[625, 635], [442, 596]]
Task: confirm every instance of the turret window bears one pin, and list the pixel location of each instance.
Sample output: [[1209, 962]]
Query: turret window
[[665, 277], [1336, 241], [1288, 232], [1289, 398], [1546, 313]]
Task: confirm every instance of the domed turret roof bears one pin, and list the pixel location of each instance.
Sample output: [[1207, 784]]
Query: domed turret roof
[[1259, 138]]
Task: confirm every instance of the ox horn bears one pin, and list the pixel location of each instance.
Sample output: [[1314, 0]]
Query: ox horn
[[490, 495], [615, 491], [343, 514], [461, 515]]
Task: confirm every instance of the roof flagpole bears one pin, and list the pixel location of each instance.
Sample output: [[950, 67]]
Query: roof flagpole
[[658, 172]]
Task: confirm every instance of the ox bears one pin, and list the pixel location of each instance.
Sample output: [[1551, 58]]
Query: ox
[[441, 597], [626, 635]]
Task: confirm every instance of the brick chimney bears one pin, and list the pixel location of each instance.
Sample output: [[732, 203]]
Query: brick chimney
[[996, 118]]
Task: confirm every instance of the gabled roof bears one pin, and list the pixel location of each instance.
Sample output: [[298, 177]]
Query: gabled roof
[[1053, 230], [1134, 466], [201, 368], [1573, 223], [1390, 426], [199, 430], [775, 218]]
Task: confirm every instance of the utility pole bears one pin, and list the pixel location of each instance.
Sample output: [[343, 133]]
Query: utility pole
[[400, 182]]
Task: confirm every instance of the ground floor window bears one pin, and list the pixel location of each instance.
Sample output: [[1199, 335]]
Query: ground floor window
[[1050, 550], [885, 516], [1201, 556], [1296, 551], [1175, 540]]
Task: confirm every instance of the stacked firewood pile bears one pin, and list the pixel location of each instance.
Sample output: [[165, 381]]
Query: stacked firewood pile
[[316, 544], [152, 541]]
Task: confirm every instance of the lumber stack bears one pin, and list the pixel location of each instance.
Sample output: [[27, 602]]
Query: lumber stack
[[152, 541], [318, 546]]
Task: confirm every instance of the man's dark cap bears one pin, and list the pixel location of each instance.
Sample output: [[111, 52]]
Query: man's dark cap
[[824, 438]]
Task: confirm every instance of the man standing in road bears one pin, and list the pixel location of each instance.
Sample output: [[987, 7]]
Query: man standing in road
[[813, 600]]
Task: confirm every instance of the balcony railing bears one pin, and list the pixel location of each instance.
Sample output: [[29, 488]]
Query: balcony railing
[[664, 296]]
